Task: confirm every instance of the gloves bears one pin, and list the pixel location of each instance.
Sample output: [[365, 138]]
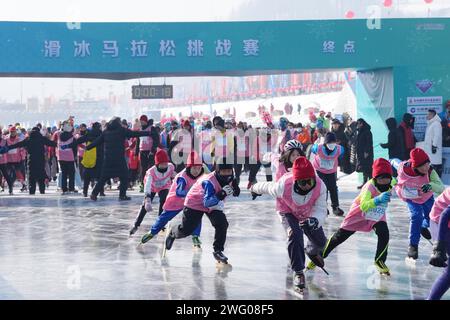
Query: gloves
[[4, 149], [433, 149], [148, 204], [64, 147], [426, 188], [384, 197], [228, 190], [236, 189], [310, 224], [439, 256]]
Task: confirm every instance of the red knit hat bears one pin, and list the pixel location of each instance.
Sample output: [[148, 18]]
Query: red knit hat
[[381, 166], [303, 169], [418, 157], [12, 129], [193, 160], [186, 123], [161, 156], [143, 118]]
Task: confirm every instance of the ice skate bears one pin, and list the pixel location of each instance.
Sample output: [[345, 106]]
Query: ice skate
[[124, 198], [93, 197], [133, 230], [299, 282], [168, 243], [382, 268], [318, 261], [196, 242], [146, 237], [413, 255], [222, 264], [426, 234], [338, 212]]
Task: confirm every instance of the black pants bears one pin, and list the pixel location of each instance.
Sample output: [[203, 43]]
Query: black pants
[[67, 171], [367, 174], [32, 184], [5, 173], [381, 230], [14, 168], [133, 176], [254, 169], [295, 245], [162, 199], [90, 175], [330, 182], [81, 168], [192, 218], [147, 161], [438, 168], [100, 186]]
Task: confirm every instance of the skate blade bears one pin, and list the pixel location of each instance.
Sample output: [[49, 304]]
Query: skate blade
[[299, 293], [197, 248], [410, 262], [221, 266]]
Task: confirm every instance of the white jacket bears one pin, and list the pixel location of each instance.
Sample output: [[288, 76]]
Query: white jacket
[[276, 189], [433, 137]]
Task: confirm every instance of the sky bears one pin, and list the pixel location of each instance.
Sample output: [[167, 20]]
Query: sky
[[181, 10]]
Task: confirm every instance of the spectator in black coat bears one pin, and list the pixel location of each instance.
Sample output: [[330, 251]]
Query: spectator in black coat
[[395, 144], [341, 138], [114, 162], [35, 145], [364, 150]]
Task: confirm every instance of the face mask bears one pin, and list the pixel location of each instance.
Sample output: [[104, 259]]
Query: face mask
[[382, 187], [331, 146], [224, 180], [161, 169]]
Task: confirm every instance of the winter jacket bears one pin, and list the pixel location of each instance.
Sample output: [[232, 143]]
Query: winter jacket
[[113, 142], [409, 139], [433, 138], [364, 149], [35, 145], [395, 144]]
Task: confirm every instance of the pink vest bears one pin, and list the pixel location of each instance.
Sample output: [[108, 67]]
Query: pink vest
[[409, 188], [356, 220], [440, 204], [67, 154], [301, 212], [3, 156], [326, 163], [173, 202], [146, 143], [14, 155], [161, 183], [194, 199]]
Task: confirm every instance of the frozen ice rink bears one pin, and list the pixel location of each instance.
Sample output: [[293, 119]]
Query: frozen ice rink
[[68, 247]]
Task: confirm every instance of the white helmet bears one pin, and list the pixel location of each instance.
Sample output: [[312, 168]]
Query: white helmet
[[292, 144]]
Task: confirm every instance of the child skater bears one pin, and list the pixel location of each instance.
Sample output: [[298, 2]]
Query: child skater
[[157, 180], [367, 213], [325, 162], [207, 196], [175, 199], [304, 210], [417, 181]]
